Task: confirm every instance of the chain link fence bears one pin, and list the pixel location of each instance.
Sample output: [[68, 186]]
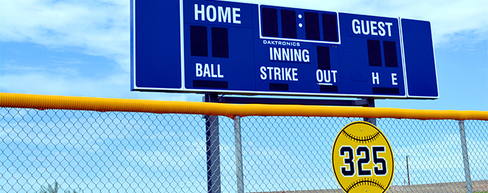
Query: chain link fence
[[90, 151]]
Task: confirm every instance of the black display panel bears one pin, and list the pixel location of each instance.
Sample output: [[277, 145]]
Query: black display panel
[[385, 91], [312, 27], [220, 42], [288, 24], [210, 84], [323, 56], [269, 22], [199, 41], [329, 24], [390, 54], [279, 87], [330, 89], [374, 53]]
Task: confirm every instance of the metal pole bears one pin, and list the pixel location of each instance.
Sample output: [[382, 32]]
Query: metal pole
[[370, 104], [408, 173], [467, 173], [239, 165], [213, 151]]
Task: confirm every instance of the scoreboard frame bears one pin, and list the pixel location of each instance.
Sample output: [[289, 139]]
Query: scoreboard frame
[[175, 66]]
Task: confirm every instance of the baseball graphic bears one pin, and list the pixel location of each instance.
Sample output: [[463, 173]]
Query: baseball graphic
[[362, 159]]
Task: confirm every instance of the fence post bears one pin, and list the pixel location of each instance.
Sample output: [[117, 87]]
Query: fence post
[[408, 172], [239, 165], [213, 151], [467, 173]]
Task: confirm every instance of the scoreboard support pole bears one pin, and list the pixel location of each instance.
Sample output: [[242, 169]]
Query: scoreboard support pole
[[370, 103], [213, 148], [239, 164]]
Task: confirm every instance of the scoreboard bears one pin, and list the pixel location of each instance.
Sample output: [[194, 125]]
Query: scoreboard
[[201, 46]]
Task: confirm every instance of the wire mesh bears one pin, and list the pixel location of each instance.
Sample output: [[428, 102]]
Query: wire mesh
[[88, 151]]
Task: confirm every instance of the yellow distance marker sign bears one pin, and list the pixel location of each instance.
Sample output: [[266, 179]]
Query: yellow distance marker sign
[[362, 158]]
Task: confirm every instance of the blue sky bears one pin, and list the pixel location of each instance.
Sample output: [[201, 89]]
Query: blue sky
[[82, 47]]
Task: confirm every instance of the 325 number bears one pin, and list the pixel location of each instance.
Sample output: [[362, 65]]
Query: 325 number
[[365, 153]]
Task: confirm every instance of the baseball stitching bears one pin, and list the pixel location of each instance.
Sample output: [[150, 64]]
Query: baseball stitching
[[365, 182], [365, 139]]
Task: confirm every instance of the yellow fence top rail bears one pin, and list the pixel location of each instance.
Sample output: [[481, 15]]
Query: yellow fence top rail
[[150, 106]]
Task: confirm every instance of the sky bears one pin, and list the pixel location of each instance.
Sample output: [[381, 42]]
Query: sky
[[82, 47]]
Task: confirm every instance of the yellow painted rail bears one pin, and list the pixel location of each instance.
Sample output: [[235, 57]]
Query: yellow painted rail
[[150, 106]]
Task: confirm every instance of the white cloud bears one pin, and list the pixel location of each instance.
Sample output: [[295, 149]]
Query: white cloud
[[57, 83], [96, 27], [60, 84]]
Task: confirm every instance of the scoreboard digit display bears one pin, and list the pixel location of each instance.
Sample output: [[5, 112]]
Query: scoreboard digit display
[[222, 47]]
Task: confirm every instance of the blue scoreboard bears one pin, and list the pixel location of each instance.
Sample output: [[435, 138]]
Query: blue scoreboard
[[222, 47]]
